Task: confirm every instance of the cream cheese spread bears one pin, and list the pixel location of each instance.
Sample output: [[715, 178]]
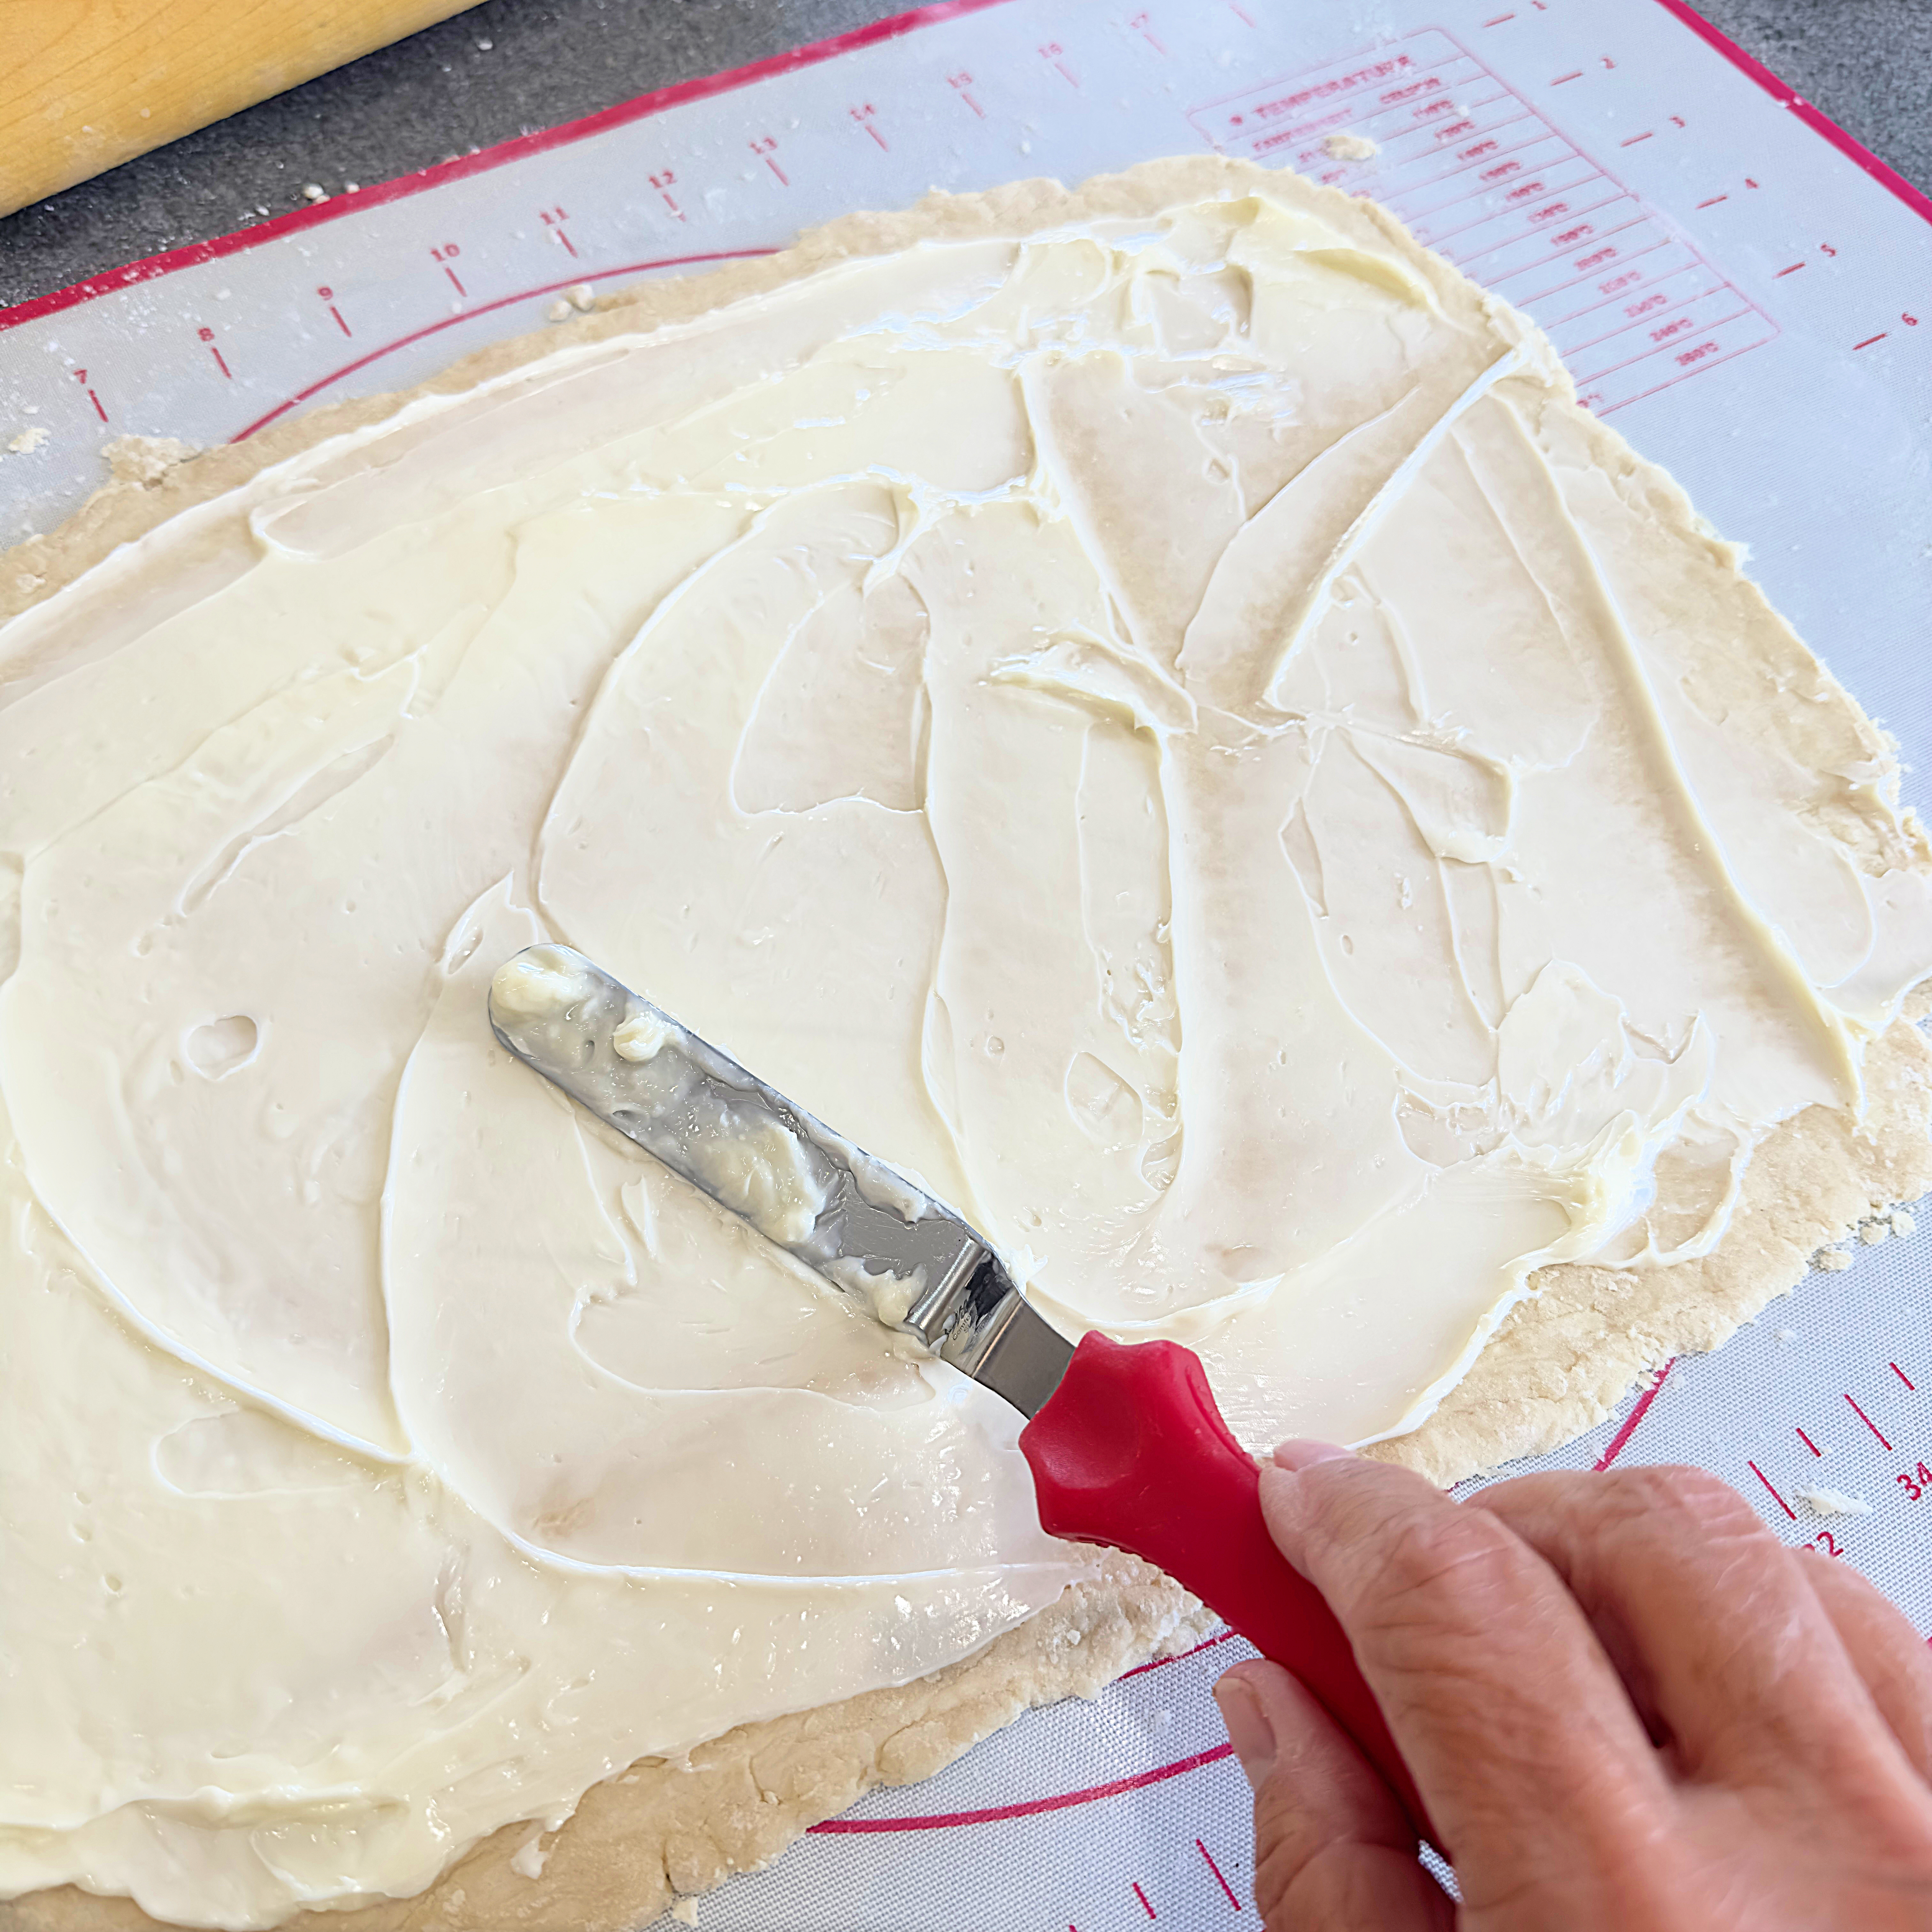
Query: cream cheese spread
[[1173, 730]]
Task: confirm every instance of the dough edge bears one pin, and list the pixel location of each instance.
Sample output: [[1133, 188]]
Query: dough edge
[[1557, 1365]]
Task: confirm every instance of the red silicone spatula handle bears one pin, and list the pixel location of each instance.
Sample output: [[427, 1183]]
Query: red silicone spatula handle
[[1131, 1451]]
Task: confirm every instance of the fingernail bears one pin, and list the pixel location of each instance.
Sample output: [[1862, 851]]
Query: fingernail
[[1299, 1454], [1249, 1730]]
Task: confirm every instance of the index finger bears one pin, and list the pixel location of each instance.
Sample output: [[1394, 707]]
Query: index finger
[[1505, 1705]]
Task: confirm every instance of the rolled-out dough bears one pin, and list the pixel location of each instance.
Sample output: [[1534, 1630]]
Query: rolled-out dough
[[1560, 1362]]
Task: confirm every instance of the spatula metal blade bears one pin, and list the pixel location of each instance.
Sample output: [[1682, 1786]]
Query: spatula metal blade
[[875, 1237]]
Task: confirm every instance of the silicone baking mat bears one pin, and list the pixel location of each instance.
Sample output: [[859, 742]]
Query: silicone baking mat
[[1731, 278]]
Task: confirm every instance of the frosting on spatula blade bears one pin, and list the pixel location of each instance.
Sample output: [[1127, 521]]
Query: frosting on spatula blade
[[870, 1233]]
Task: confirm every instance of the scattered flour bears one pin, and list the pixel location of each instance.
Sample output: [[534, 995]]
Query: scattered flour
[[1350, 148], [33, 437], [1822, 1501]]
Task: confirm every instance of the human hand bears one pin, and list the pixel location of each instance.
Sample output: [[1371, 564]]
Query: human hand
[[1624, 1701]]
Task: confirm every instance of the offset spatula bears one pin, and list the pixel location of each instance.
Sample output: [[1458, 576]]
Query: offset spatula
[[1126, 1444]]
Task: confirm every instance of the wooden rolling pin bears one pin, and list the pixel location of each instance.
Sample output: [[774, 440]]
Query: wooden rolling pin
[[85, 84]]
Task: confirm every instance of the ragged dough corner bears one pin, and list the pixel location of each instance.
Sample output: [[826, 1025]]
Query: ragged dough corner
[[1150, 709]]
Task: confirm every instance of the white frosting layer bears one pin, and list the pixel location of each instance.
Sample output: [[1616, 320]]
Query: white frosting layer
[[1170, 732]]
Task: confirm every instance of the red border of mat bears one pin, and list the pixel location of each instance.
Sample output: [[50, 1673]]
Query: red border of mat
[[644, 105], [1819, 123]]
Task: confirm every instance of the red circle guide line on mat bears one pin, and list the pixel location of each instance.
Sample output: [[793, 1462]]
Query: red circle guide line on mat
[[1032, 1807], [484, 308], [644, 105]]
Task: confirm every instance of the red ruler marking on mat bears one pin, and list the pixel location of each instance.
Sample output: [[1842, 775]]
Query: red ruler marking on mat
[[1216, 1871], [1775, 1497], [1623, 1436], [1869, 1424]]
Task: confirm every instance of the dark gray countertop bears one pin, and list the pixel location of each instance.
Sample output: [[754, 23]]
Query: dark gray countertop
[[508, 66]]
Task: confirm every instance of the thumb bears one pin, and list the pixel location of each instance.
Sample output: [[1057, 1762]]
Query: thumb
[[1334, 1852]]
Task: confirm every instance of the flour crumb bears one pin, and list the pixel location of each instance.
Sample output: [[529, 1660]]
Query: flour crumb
[[1787, 1336], [685, 1911], [1350, 148], [484, 47], [1873, 1232], [527, 1860], [559, 311], [35, 435], [351, 187], [315, 191], [584, 297], [1831, 1261], [1834, 1502], [1902, 1224], [145, 459]]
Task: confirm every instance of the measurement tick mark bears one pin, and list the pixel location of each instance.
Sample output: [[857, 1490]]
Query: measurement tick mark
[[1714, 201], [1809, 1444], [1630, 1421], [1648, 134], [1051, 53], [1143, 1897], [1869, 340], [339, 322], [1562, 77], [1499, 19], [1864, 1418], [1792, 270], [1775, 1497], [1240, 12], [1216, 1871], [220, 362], [452, 275], [1902, 1377]]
